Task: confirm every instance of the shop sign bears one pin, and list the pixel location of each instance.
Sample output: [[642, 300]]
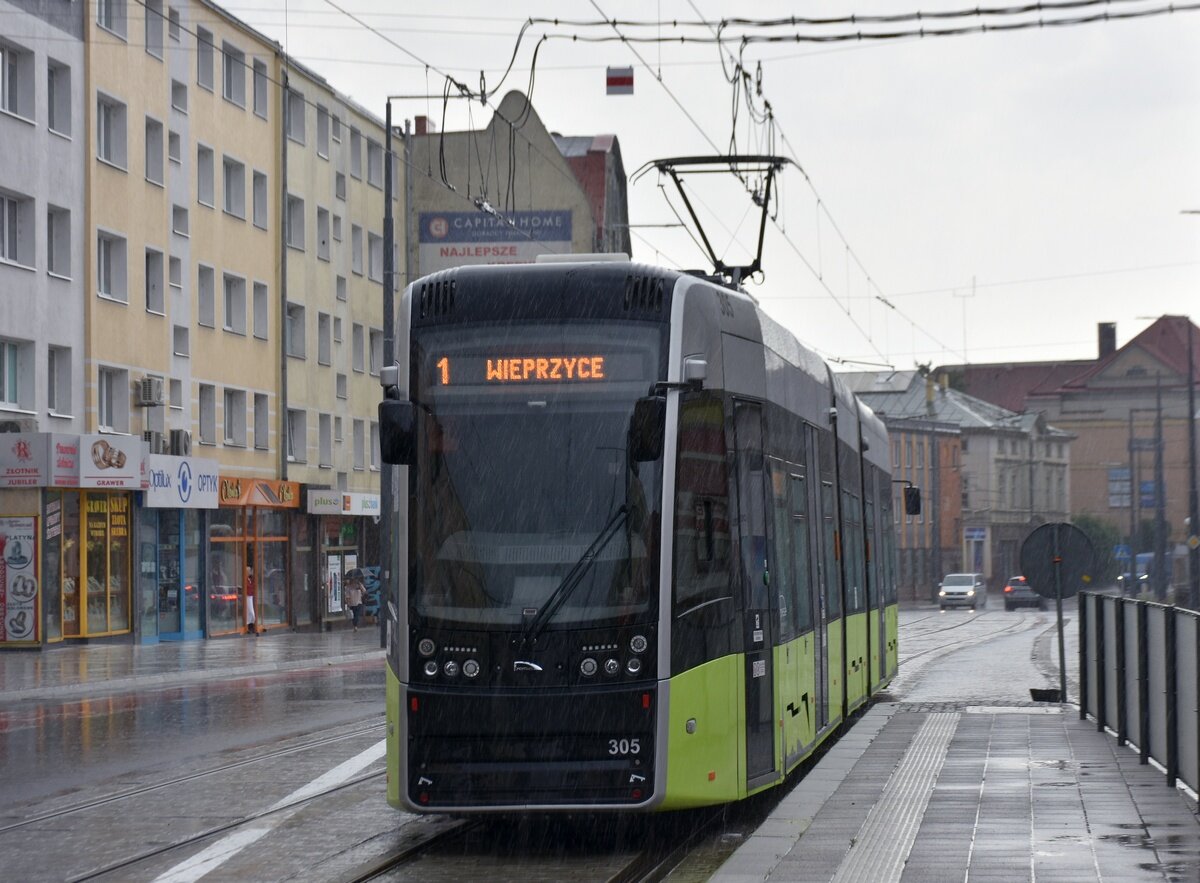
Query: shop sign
[[181, 482], [39, 459], [112, 461], [19, 580], [338, 503], [268, 492], [451, 239]]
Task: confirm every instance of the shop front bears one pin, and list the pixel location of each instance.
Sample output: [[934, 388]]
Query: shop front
[[172, 583], [345, 523], [82, 491], [248, 554]]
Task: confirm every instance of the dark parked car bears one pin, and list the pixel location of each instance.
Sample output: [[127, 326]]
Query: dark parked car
[[1018, 593]]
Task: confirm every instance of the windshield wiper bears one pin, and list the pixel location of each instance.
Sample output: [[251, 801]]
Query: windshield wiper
[[574, 576]]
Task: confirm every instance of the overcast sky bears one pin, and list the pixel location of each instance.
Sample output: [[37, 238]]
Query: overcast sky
[[1004, 191]]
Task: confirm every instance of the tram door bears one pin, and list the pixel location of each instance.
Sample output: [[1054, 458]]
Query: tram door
[[756, 628], [819, 593]]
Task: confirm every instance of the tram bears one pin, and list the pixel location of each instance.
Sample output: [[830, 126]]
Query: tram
[[645, 557]]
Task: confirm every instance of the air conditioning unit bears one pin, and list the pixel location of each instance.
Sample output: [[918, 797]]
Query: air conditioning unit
[[158, 444], [18, 424], [150, 391], [181, 442]]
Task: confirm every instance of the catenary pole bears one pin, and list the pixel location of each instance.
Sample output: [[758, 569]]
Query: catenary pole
[[1193, 504], [386, 473]]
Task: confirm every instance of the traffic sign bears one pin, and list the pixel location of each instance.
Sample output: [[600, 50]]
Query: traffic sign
[[1193, 542], [1122, 552], [1057, 546]]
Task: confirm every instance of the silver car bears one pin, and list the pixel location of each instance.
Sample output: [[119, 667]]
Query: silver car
[[962, 590]]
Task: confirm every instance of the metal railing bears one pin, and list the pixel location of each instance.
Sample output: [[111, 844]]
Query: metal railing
[[1139, 675]]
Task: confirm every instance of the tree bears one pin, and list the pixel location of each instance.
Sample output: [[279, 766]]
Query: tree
[[1104, 536]]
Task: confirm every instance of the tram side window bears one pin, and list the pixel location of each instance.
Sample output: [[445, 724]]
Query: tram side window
[[783, 581], [702, 540], [888, 565], [802, 584], [833, 595], [852, 550]]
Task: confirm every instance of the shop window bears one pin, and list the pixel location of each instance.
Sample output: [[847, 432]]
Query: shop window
[[106, 563]]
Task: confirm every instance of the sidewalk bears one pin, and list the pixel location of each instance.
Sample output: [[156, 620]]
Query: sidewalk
[[954, 791], [77, 670]]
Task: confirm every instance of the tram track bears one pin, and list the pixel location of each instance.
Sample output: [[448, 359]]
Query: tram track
[[1012, 627], [189, 777]]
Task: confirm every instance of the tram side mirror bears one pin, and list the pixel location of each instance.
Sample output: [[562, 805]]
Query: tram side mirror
[[647, 427], [912, 501], [397, 432]]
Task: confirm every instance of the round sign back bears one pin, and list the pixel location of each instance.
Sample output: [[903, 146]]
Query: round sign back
[[1062, 546]]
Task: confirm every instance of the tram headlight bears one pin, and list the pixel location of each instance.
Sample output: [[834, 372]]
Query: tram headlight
[[638, 643], [426, 647], [470, 668], [633, 666], [430, 668], [450, 669], [588, 667], [611, 667]]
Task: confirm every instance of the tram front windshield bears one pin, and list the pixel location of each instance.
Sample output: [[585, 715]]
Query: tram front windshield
[[524, 485]]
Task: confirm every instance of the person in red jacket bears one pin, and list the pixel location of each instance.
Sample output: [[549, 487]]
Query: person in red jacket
[[251, 619]]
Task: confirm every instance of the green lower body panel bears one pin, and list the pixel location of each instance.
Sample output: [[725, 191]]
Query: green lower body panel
[[706, 766], [891, 618], [795, 689], [856, 659]]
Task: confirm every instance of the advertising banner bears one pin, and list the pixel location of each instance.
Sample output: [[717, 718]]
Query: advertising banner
[[451, 239], [269, 492], [19, 594], [181, 483], [23, 459], [112, 461]]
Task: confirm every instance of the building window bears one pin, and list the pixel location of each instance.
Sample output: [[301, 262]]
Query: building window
[[173, 24], [58, 241], [337, 329], [322, 132], [204, 58], [205, 176], [374, 446], [235, 187], [58, 380], [323, 234], [235, 304], [16, 229], [155, 294], [324, 339], [235, 417], [336, 127], [260, 310], [295, 222], [110, 266], [110, 131], [337, 430], [154, 27], [58, 97], [179, 220], [357, 348], [260, 200], [325, 441], [357, 439], [355, 153], [181, 341], [175, 272], [339, 186], [208, 414], [374, 164], [174, 148], [374, 257], [176, 394], [356, 245], [297, 435], [261, 422], [295, 116], [337, 228], [206, 299], [260, 88], [179, 96], [375, 351], [16, 80], [294, 332], [113, 400], [340, 386], [154, 151], [234, 69], [12, 354], [340, 287], [110, 15]]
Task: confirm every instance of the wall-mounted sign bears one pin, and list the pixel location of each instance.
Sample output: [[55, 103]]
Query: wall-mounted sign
[[451, 239], [112, 461], [39, 459], [268, 492], [342, 503], [19, 594], [182, 482]]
